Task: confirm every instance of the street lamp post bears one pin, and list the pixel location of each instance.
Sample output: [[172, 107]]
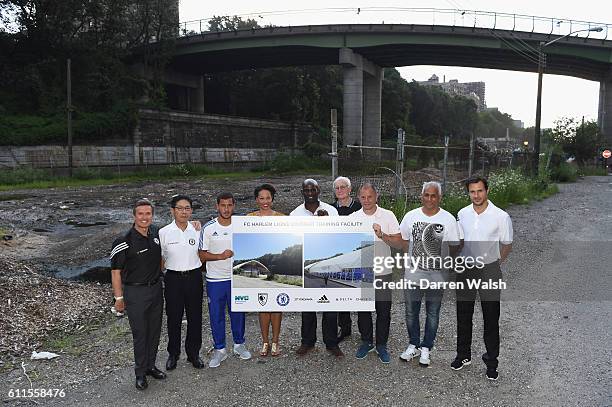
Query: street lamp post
[[541, 64]]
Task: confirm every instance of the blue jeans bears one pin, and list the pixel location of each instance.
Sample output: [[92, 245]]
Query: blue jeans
[[433, 302]]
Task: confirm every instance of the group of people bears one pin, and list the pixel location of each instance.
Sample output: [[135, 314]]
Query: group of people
[[139, 256]]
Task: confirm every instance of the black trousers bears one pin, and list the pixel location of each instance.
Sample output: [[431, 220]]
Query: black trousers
[[329, 326], [144, 305], [184, 293], [383, 316], [489, 301], [344, 322]]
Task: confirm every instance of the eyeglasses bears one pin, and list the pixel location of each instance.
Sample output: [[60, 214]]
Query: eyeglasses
[[183, 209], [341, 187]]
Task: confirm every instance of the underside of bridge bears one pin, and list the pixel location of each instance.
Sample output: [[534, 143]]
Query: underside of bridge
[[363, 50]]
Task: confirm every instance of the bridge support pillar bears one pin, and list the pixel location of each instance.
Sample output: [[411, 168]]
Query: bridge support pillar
[[352, 112], [604, 116], [361, 99], [372, 97], [197, 95]]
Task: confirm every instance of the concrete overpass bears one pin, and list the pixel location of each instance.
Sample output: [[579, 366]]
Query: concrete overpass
[[364, 49]]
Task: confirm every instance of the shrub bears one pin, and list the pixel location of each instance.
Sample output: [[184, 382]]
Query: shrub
[[22, 130], [284, 163], [564, 172], [315, 150], [505, 188], [24, 175]]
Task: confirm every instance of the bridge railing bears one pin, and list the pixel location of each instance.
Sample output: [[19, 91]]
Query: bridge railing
[[420, 16]]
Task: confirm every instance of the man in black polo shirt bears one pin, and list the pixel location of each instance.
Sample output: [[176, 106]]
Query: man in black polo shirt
[[345, 205], [135, 274]]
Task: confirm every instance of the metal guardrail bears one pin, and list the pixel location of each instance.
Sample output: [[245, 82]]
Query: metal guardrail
[[411, 15]]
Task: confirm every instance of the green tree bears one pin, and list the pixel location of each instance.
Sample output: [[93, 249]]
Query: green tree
[[395, 104], [493, 123], [227, 23], [576, 139]]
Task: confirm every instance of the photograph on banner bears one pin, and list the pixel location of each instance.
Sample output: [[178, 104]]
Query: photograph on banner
[[265, 260], [302, 264], [338, 260]]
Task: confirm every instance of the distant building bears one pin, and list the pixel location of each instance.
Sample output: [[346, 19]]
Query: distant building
[[497, 144], [518, 124], [472, 90]]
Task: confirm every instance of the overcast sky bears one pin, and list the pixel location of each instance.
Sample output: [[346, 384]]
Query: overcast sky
[[512, 92]]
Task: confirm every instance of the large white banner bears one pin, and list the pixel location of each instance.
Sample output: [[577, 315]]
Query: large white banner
[[309, 263]]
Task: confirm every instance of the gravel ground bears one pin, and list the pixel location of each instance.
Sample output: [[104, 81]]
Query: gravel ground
[[555, 323]]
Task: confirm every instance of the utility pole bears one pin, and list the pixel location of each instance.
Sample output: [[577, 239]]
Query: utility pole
[[471, 163], [399, 165], [444, 171], [69, 113], [541, 64], [334, 136]]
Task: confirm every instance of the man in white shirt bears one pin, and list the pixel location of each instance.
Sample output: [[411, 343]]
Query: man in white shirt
[[486, 232], [313, 207], [215, 249], [387, 231], [428, 232], [183, 285]]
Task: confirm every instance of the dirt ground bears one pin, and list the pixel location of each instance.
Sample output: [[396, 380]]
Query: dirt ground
[[67, 227], [555, 340]]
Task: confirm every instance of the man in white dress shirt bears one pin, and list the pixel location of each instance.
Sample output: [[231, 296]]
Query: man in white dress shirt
[[183, 282], [486, 232]]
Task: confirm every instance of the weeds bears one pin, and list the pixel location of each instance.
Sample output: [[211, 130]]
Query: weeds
[[505, 188], [30, 178], [588, 171]]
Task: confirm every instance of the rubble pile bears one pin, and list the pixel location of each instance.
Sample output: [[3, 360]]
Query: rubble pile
[[32, 306]]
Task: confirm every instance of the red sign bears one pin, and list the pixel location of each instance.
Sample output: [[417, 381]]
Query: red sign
[[606, 154]]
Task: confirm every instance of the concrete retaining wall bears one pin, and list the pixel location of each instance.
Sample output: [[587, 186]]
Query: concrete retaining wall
[[106, 156], [170, 137]]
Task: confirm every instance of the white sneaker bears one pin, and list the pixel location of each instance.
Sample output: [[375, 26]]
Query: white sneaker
[[242, 351], [424, 359], [219, 355], [410, 352]]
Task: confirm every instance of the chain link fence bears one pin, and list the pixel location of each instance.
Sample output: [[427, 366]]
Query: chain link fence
[[399, 173]]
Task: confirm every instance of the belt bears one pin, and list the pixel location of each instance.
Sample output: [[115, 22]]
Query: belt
[[150, 283], [182, 273]]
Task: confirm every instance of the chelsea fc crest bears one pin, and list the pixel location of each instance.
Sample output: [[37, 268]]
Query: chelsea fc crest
[[282, 299]]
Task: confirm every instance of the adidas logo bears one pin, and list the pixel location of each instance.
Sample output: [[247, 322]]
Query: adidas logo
[[323, 300], [215, 234]]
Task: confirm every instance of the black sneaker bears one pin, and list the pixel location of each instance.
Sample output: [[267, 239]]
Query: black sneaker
[[459, 363], [492, 374]]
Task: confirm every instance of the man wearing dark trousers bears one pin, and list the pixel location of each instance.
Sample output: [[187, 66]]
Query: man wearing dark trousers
[[313, 207], [387, 231], [345, 205], [135, 274], [183, 289], [486, 232]]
